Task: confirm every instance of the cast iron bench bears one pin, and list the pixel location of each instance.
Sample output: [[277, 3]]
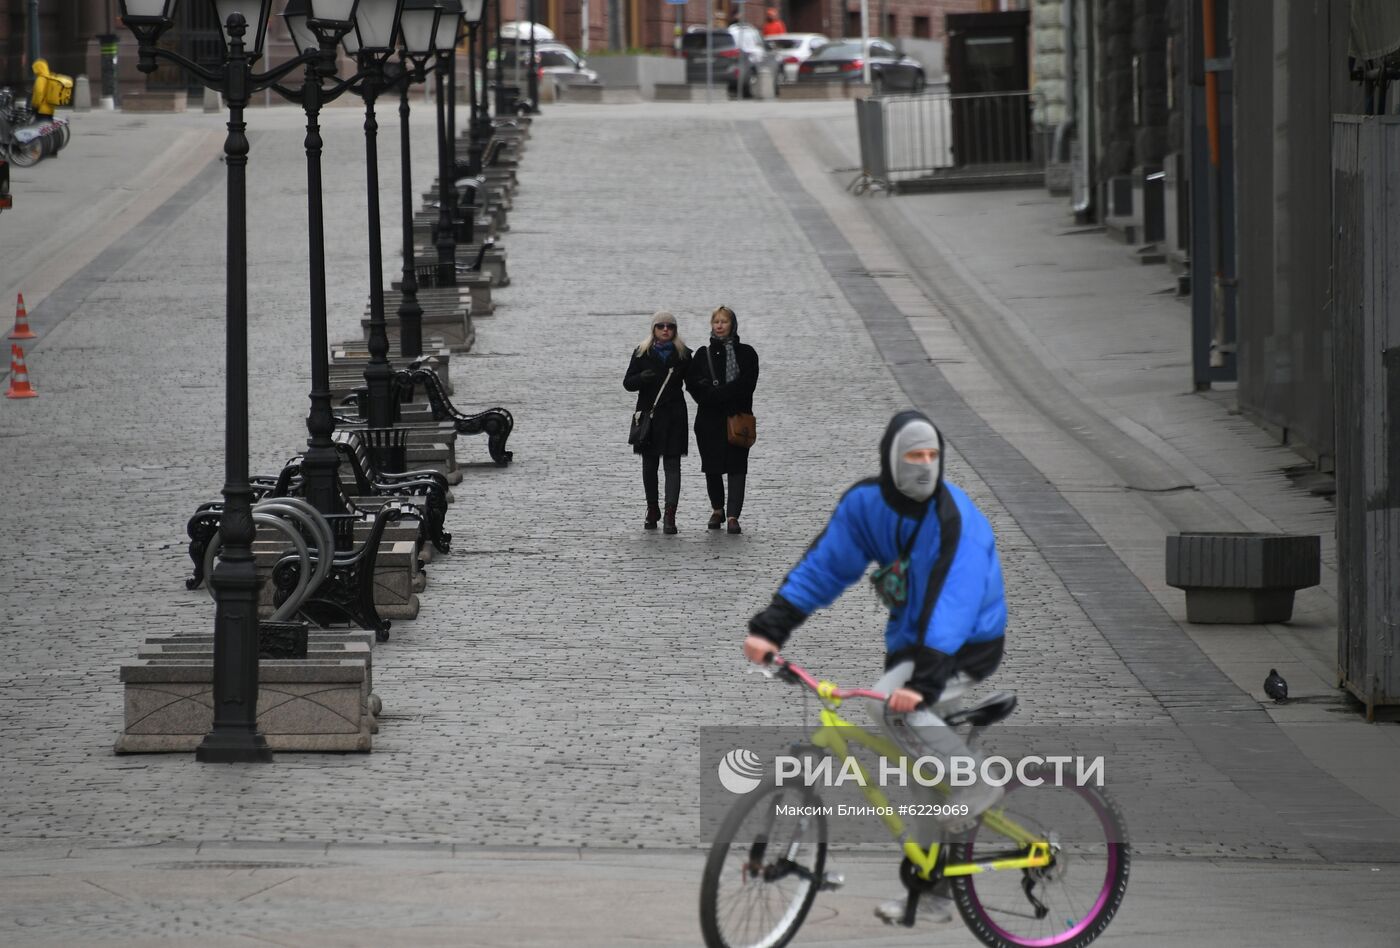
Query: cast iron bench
[[347, 595], [204, 525], [431, 486], [496, 423]]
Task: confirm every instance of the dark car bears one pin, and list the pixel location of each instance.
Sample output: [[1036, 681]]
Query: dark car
[[733, 56], [890, 70], [5, 200]]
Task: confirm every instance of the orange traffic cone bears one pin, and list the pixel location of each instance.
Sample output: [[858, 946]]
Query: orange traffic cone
[[19, 375], [22, 330]]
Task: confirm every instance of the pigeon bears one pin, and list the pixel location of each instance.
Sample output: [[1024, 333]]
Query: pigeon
[[1275, 687]]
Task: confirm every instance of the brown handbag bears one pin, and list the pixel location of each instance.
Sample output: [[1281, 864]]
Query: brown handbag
[[741, 429]]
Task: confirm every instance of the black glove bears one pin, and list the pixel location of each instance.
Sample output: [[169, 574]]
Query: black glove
[[932, 669], [777, 621]]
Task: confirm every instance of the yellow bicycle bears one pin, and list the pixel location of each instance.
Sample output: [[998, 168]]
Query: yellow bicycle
[[1046, 868]]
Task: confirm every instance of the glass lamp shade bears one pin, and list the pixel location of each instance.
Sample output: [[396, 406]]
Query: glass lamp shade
[[448, 26], [256, 12], [376, 24], [299, 12], [295, 16], [161, 9], [417, 26], [340, 11], [472, 10]]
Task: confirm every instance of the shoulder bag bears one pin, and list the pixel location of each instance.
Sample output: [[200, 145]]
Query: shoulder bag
[[639, 433], [741, 428]]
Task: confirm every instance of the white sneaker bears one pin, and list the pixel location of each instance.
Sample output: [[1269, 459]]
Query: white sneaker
[[932, 908]]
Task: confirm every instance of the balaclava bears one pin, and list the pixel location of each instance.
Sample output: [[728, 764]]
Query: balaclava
[[906, 486]]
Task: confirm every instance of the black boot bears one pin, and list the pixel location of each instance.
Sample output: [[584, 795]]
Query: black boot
[[669, 522], [653, 515]]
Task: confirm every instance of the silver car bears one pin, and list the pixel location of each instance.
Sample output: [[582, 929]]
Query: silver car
[[793, 49]]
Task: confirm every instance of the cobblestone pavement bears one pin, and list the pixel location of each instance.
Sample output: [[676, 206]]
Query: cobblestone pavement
[[549, 693]]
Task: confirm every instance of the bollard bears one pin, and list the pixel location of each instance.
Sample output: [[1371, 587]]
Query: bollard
[[82, 95], [211, 100]]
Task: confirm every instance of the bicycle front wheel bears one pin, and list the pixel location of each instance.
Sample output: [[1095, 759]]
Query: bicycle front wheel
[[27, 153], [764, 869], [1066, 904]]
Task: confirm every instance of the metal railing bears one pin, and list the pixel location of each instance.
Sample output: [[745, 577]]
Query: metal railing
[[927, 138]]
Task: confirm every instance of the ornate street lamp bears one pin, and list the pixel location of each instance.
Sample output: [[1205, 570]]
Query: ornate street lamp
[[480, 119], [533, 79], [234, 736], [321, 462], [419, 26], [373, 41], [447, 34]]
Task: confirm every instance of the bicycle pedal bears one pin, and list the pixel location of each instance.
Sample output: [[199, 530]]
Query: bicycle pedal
[[831, 881]]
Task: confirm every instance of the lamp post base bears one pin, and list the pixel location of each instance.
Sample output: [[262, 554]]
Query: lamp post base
[[233, 747]]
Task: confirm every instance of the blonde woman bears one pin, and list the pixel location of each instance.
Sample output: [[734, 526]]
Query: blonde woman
[[657, 374], [723, 375]]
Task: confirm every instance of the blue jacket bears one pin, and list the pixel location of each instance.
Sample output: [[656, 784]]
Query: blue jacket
[[952, 601]]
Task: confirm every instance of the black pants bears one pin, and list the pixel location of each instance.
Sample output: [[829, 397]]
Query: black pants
[[714, 483], [650, 462]]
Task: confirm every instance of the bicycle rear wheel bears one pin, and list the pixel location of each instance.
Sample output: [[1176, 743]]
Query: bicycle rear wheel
[[764, 869], [1066, 904]]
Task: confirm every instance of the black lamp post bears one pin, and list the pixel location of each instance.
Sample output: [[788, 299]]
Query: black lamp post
[[321, 462], [419, 27], [448, 32], [234, 737], [372, 41], [533, 79], [481, 117]]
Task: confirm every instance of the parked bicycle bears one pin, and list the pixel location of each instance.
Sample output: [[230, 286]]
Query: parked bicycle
[[1046, 867], [24, 139]]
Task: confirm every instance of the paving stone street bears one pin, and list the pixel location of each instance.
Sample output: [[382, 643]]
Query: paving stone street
[[535, 777]]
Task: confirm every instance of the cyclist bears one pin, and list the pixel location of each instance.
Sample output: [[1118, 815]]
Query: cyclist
[[940, 577]]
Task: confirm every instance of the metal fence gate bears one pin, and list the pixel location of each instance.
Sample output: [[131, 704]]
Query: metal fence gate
[[928, 139], [1366, 309]]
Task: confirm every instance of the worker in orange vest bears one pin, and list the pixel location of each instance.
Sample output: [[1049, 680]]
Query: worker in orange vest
[[772, 26]]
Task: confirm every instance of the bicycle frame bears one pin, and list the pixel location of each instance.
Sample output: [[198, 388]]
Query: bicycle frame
[[1032, 850]]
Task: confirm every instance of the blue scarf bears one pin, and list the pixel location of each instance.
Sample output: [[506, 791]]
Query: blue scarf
[[664, 350]]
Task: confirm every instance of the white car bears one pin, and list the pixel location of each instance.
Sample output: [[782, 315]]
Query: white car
[[793, 50], [521, 29]]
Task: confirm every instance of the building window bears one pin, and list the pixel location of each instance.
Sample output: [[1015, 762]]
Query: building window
[[922, 28], [892, 25], [853, 23]]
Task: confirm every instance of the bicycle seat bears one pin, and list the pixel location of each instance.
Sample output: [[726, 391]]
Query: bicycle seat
[[989, 710]]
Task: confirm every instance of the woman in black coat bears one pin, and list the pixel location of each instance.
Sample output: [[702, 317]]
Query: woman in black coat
[[722, 378], [661, 354]]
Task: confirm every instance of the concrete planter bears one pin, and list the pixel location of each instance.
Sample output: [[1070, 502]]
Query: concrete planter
[[312, 705], [641, 73], [1242, 578]]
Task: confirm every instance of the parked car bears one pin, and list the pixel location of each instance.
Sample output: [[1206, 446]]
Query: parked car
[[5, 199], [737, 52], [552, 60], [513, 29], [793, 49], [890, 69]]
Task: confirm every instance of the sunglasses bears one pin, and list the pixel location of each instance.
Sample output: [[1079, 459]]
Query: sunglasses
[[670, 326]]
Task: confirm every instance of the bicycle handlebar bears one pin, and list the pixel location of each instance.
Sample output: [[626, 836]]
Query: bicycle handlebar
[[798, 675]]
